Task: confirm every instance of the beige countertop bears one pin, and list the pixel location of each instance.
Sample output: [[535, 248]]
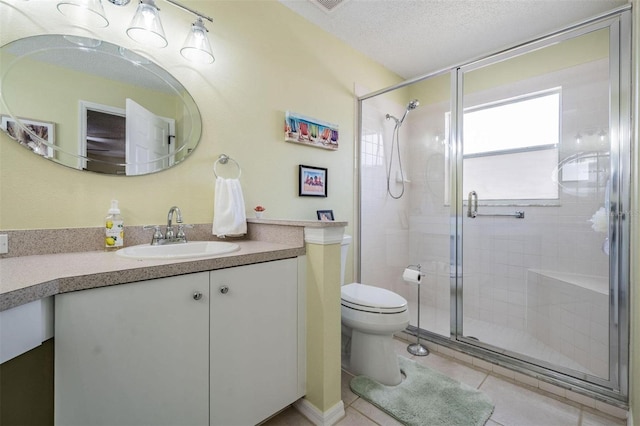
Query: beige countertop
[[27, 278], [46, 262]]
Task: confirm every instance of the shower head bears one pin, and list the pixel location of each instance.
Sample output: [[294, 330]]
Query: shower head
[[410, 106]]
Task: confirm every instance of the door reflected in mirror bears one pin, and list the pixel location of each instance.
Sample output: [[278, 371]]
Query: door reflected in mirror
[[105, 141]]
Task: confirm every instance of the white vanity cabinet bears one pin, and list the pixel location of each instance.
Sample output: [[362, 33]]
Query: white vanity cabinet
[[256, 369], [134, 354], [224, 348]]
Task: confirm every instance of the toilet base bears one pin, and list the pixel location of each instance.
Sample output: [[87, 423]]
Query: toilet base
[[374, 356]]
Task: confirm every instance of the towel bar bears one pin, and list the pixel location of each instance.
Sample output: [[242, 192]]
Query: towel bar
[[224, 159]]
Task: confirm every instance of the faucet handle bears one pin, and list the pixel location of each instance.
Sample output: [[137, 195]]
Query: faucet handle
[[157, 234], [181, 233]]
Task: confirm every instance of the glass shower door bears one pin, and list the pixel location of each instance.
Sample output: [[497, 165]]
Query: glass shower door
[[404, 197], [539, 199]]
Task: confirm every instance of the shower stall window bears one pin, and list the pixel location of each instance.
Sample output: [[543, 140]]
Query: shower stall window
[[511, 148]]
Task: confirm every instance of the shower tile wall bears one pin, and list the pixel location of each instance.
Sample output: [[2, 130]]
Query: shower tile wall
[[384, 221], [568, 313], [500, 253], [415, 228]]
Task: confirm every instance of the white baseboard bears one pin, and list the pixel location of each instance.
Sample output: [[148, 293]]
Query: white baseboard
[[317, 417], [630, 418]]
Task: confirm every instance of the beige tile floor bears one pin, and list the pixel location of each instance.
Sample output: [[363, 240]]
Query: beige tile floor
[[515, 404]]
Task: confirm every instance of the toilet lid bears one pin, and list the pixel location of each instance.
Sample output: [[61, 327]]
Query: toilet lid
[[372, 299]]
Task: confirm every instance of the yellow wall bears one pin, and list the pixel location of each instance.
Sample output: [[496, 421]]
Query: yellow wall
[[268, 61]]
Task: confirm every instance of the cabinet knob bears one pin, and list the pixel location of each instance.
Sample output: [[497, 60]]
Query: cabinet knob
[[224, 289], [197, 295]]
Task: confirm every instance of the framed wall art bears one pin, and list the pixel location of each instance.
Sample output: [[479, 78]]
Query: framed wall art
[[310, 131], [312, 181], [325, 215], [33, 137]]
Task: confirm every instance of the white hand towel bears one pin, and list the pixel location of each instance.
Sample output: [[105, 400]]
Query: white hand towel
[[229, 217]]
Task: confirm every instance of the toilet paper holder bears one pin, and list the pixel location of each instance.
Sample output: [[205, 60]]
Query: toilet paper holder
[[413, 274], [416, 349]]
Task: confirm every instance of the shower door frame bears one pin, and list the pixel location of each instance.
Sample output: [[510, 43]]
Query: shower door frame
[[616, 387]]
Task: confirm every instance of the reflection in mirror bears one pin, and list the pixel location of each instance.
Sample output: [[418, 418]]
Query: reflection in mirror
[[584, 174], [105, 135], [92, 105]]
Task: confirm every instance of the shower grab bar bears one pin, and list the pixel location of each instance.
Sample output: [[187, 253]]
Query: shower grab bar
[[472, 209]]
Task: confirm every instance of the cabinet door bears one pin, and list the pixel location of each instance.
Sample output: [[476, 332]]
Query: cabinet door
[[134, 354], [254, 342]]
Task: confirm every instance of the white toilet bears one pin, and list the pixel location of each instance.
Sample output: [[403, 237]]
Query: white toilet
[[370, 316]]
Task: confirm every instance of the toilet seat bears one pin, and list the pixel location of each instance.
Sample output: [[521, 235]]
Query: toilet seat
[[372, 299]]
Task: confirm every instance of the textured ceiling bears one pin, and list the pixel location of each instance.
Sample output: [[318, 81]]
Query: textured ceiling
[[415, 37]]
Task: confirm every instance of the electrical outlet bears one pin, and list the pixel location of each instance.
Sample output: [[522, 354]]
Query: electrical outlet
[[4, 244]]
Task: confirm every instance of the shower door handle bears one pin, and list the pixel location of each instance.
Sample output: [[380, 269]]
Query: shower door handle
[[472, 209], [472, 204]]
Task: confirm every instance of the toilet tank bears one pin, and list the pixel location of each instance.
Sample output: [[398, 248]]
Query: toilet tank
[[344, 250]]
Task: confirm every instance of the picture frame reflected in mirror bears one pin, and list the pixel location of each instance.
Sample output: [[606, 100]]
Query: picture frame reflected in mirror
[[37, 135]]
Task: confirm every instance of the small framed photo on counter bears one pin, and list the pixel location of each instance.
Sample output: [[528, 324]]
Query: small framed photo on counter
[[325, 215]]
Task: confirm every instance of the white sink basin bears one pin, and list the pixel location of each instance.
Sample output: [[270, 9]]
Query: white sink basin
[[190, 250]]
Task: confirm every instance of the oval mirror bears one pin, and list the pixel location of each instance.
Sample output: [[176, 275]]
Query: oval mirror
[[92, 105]]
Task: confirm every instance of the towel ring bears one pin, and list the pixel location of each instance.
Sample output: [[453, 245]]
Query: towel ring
[[224, 159]]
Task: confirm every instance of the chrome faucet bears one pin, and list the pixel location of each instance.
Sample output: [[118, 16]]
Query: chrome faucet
[[170, 236]]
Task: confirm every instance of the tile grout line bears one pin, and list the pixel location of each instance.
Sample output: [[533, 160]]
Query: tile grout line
[[486, 376]]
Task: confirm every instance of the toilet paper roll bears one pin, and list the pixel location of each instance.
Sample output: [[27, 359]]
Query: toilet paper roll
[[411, 276]]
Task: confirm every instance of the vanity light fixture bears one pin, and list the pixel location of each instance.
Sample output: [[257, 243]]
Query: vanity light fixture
[[592, 135], [89, 12], [602, 135], [146, 27], [196, 47]]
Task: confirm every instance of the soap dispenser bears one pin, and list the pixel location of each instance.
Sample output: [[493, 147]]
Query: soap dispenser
[[114, 228]]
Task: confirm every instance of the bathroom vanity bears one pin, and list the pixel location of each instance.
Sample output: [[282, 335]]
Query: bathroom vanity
[[220, 347], [219, 340]]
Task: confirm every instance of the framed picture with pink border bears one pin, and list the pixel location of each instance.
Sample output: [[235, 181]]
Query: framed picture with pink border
[[312, 181]]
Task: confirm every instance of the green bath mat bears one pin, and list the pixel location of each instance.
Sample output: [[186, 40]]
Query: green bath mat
[[426, 397]]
